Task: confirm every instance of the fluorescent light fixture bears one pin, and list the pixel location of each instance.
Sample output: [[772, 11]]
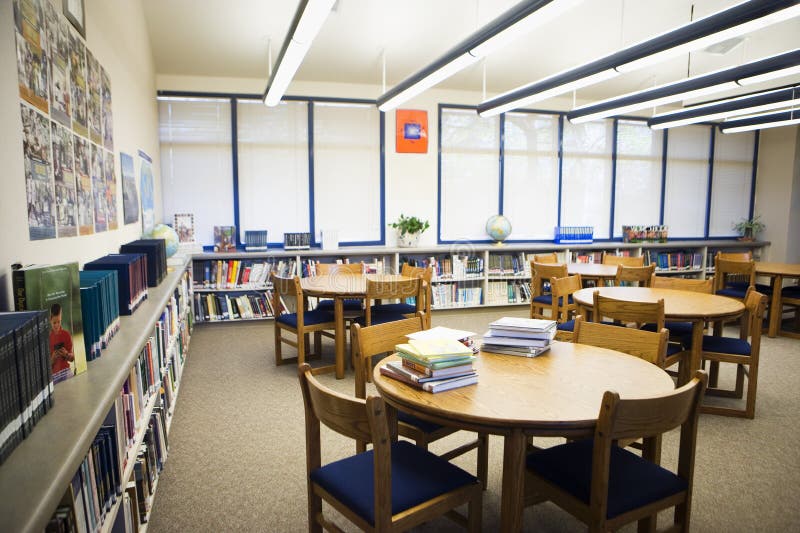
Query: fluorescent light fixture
[[769, 76], [696, 86], [740, 19], [774, 120], [518, 20], [308, 19], [726, 108]]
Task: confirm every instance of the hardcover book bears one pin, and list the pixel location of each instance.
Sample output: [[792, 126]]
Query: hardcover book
[[55, 289], [224, 238]]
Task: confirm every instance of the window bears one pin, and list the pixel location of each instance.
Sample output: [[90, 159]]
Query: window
[[196, 162], [273, 167], [687, 181], [469, 174], [530, 174], [731, 182], [637, 196], [586, 176], [348, 181]]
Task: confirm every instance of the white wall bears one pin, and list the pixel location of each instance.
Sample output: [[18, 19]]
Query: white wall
[[117, 36]]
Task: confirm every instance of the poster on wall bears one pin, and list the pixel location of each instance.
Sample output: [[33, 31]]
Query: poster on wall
[[64, 177], [108, 119], [84, 182], [77, 78], [146, 190], [58, 45], [93, 102], [411, 131], [32, 63], [130, 198], [98, 188], [38, 184], [110, 175]]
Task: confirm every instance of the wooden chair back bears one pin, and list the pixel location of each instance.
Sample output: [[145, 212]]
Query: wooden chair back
[[683, 284], [640, 275], [426, 274], [542, 272], [755, 305], [330, 269], [551, 257], [624, 311], [647, 345], [393, 289], [561, 289], [287, 296], [626, 260], [735, 256], [727, 271]]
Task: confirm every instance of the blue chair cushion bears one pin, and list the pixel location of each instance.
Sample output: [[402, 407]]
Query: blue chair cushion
[[417, 476], [732, 292], [378, 317], [310, 318], [742, 286], [547, 299], [676, 329], [633, 482], [400, 308], [725, 345], [673, 348], [349, 305], [566, 326], [423, 425], [792, 291]]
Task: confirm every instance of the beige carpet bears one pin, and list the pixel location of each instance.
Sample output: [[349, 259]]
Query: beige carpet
[[237, 455]]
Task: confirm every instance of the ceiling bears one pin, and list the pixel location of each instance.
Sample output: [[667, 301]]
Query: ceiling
[[231, 38]]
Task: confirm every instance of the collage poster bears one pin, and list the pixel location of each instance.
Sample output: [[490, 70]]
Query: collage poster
[[130, 198], [110, 182], [32, 63], [64, 174], [94, 103], [77, 77], [98, 189], [38, 185], [108, 119], [84, 181], [58, 32], [146, 190]]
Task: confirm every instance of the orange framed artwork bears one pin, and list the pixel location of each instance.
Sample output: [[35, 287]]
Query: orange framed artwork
[[411, 131]]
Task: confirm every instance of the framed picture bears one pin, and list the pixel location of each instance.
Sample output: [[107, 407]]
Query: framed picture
[[73, 10], [184, 227]]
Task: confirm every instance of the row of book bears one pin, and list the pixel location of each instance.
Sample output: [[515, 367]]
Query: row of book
[[509, 265], [453, 295], [507, 292], [234, 274], [100, 309], [527, 337], [368, 266], [213, 307], [674, 260], [26, 380], [435, 360]]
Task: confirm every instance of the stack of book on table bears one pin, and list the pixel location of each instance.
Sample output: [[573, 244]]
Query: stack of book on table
[[527, 337], [433, 364]]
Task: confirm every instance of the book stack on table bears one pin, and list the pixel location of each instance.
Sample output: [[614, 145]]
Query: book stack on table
[[433, 364], [526, 337]]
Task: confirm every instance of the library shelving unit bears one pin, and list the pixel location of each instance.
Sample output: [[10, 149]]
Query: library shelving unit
[[130, 390], [466, 275]]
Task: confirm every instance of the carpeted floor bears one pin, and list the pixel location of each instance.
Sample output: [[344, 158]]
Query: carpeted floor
[[237, 446]]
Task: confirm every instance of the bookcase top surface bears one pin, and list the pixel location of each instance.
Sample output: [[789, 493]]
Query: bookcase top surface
[[33, 479]]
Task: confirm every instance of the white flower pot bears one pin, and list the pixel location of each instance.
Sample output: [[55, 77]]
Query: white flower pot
[[408, 240]]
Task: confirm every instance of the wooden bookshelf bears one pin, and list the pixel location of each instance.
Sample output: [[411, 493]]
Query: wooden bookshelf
[[34, 478]]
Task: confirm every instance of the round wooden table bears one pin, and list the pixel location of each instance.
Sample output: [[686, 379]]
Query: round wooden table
[[596, 271], [555, 394], [777, 271], [341, 287], [679, 306]]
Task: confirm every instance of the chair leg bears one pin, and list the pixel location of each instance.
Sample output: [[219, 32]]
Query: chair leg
[[278, 355], [475, 514], [752, 386], [314, 510], [302, 342], [739, 381], [647, 525], [318, 343], [483, 459], [682, 515]]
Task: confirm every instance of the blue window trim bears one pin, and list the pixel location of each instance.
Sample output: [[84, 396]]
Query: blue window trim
[[753, 180], [312, 223], [663, 176], [501, 162], [615, 131], [710, 180], [235, 163]]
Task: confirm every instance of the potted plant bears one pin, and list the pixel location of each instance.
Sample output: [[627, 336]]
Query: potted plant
[[409, 230], [748, 228]]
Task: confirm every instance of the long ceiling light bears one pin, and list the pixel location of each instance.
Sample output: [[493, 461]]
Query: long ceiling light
[[738, 20], [515, 22], [308, 19], [759, 122], [697, 86], [729, 107]]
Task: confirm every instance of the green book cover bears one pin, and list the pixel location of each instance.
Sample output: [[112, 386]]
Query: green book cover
[[56, 289]]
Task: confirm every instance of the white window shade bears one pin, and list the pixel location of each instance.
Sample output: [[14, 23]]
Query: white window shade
[[196, 162], [637, 197], [586, 176], [530, 175], [347, 171], [273, 167], [688, 150], [731, 182], [470, 174]]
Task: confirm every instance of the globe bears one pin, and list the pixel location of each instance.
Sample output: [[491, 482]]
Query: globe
[[162, 231], [498, 227]]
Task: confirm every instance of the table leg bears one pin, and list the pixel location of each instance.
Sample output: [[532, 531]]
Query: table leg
[[338, 316], [775, 307], [693, 364], [513, 491]]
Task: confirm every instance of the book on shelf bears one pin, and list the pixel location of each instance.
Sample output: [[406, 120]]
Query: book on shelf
[[255, 240], [521, 351], [100, 306], [156, 252], [224, 238], [55, 289], [132, 275]]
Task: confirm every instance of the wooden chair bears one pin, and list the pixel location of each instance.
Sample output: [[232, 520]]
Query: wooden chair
[[563, 307], [409, 309], [634, 275], [732, 278], [395, 486], [607, 486], [378, 290], [679, 330], [743, 354], [301, 322], [625, 260], [551, 257], [541, 299], [353, 307], [647, 345], [374, 341]]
